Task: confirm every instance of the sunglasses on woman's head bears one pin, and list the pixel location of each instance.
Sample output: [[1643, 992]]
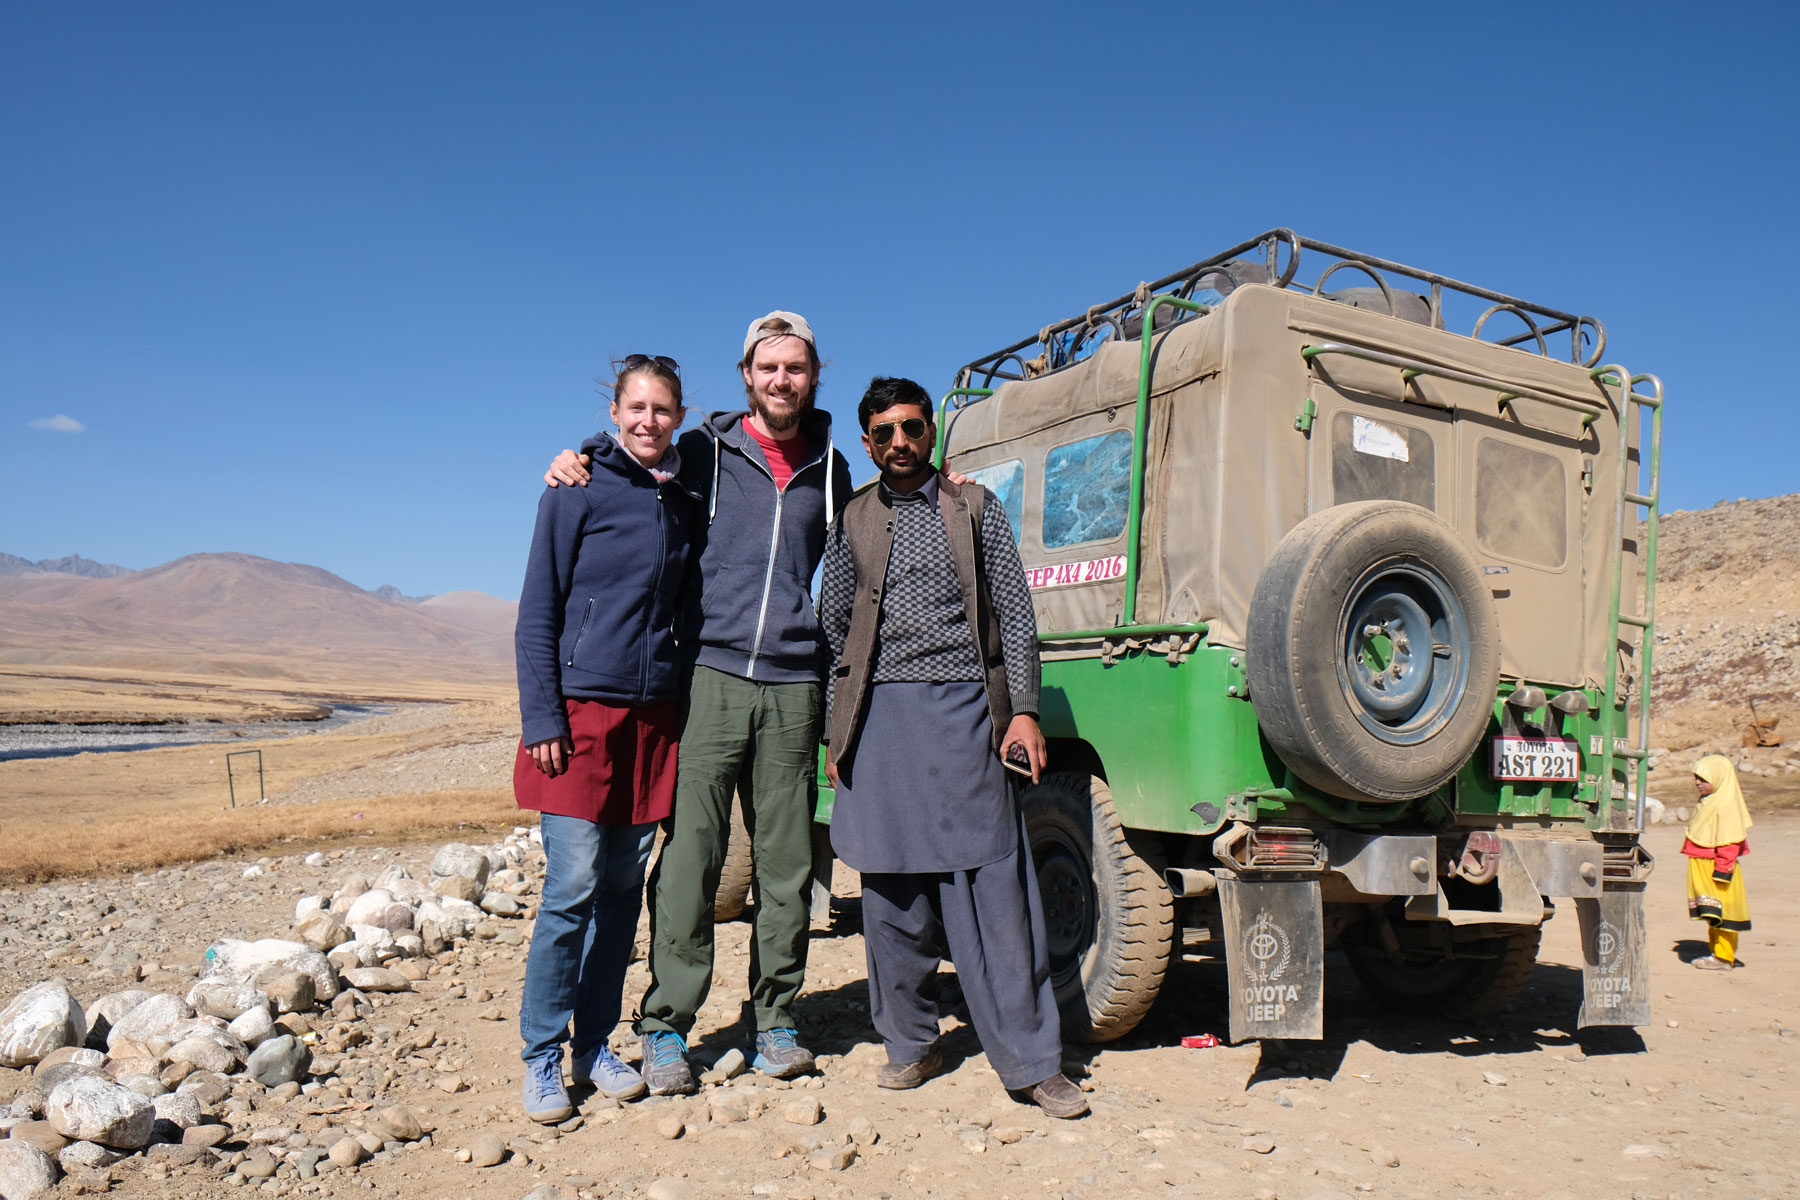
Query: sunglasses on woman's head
[[634, 361], [913, 428]]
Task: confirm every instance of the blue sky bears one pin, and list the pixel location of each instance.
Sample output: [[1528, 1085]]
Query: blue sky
[[330, 282]]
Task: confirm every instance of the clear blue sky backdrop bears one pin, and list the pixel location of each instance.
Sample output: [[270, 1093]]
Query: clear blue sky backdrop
[[330, 282]]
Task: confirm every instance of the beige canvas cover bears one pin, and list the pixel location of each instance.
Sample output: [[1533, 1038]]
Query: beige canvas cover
[[1530, 489]]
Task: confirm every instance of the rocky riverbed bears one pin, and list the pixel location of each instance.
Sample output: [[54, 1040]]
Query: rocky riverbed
[[413, 1092]]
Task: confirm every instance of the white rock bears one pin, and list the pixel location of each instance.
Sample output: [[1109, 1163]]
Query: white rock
[[322, 931], [376, 937], [98, 1110], [108, 1009], [254, 1026], [245, 961], [40, 1019], [363, 909], [376, 979], [147, 1021], [86, 1156], [204, 1053], [315, 859], [308, 904], [225, 999], [252, 872], [459, 859], [183, 1112], [25, 1171]]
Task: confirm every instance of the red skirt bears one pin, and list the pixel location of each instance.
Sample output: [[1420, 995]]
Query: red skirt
[[622, 771]]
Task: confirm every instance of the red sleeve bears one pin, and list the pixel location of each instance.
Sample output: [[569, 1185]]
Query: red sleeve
[[1725, 858]]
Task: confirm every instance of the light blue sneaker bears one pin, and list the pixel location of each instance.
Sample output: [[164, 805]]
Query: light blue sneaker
[[609, 1074], [780, 1054], [546, 1099]]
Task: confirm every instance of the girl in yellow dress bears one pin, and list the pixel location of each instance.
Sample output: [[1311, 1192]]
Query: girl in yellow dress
[[1717, 840]]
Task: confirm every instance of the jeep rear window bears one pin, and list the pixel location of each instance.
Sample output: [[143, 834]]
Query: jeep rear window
[[1381, 460], [1087, 489], [1521, 503], [1007, 481]]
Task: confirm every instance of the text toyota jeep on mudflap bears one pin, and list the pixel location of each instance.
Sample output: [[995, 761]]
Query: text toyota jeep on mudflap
[[1343, 632]]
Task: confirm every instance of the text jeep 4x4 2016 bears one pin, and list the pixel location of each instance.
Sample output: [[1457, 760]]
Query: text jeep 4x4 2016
[[1343, 631]]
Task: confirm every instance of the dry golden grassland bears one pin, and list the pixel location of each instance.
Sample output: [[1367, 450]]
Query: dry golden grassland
[[96, 813], [33, 694]]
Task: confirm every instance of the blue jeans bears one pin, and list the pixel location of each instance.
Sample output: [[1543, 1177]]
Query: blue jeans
[[581, 943]]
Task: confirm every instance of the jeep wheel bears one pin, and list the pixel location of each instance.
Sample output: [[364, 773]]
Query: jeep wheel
[[1373, 652], [1107, 912], [1484, 978], [734, 876]]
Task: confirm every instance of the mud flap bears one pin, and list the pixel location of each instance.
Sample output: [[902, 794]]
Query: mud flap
[[1615, 968], [1274, 956]]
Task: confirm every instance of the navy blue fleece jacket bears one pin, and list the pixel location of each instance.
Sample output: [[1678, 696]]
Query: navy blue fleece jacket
[[601, 591], [752, 613]]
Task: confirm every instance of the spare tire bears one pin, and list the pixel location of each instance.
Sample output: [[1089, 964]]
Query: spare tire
[[1373, 651]]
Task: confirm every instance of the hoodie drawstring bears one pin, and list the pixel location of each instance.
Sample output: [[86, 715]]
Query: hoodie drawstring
[[830, 508]]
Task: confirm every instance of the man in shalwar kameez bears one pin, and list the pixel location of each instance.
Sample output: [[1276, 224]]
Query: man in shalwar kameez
[[934, 678]]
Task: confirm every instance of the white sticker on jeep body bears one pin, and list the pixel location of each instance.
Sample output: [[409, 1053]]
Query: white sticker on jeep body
[[1093, 570], [1381, 441]]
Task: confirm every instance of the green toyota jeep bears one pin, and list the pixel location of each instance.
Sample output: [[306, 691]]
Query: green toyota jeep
[[1343, 632]]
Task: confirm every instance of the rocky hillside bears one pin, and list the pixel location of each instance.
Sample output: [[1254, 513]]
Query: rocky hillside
[[1728, 625]]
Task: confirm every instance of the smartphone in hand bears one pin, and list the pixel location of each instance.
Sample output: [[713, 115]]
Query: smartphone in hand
[[1016, 759]]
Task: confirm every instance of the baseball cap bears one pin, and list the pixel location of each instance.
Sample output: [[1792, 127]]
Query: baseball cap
[[762, 328]]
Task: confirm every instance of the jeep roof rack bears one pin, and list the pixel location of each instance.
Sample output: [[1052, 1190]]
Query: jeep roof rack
[[1068, 341]]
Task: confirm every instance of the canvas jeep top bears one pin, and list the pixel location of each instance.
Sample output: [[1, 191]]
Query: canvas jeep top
[[1343, 632]]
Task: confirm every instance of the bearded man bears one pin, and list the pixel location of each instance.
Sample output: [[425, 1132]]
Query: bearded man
[[771, 482]]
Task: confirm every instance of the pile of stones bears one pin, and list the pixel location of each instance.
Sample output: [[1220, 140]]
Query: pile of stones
[[176, 1077]]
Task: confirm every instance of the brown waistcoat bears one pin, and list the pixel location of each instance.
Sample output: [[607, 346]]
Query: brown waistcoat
[[869, 529]]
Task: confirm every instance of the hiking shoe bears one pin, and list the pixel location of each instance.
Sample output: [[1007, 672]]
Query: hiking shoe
[[546, 1100], [780, 1054], [665, 1066], [1059, 1098], [609, 1074], [900, 1077]]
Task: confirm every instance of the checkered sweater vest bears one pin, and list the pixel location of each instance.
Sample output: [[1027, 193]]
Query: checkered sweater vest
[[900, 582]]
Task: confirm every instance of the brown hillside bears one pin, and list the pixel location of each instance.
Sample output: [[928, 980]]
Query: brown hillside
[[1728, 624], [236, 614]]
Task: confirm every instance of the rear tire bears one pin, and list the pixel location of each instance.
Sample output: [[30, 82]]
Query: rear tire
[[734, 876], [1426, 984], [1108, 914], [1373, 651]]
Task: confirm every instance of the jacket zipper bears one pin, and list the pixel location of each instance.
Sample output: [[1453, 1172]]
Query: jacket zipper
[[762, 613], [587, 615], [662, 553]]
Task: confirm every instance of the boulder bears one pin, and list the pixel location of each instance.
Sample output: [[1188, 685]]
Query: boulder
[[41, 1134], [40, 1019], [279, 1060], [86, 1156], [376, 979], [98, 1110], [375, 937], [79, 1055], [183, 1112], [254, 1027], [306, 906], [25, 1171], [322, 931], [204, 1054], [457, 887], [363, 909], [144, 1084], [226, 999], [107, 1010], [246, 961], [501, 905], [459, 859], [147, 1021], [289, 991]]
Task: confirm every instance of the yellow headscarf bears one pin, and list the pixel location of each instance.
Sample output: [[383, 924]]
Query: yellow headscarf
[[1721, 819]]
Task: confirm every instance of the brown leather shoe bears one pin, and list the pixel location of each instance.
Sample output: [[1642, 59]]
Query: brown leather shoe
[[901, 1076], [1059, 1098]]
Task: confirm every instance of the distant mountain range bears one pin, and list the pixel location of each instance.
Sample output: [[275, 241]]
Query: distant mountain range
[[238, 614], [68, 564]]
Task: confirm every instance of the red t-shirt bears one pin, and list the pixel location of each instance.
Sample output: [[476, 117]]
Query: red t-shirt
[[784, 457]]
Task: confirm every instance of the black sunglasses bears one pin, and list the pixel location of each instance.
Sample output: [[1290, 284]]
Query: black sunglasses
[[912, 428], [634, 361]]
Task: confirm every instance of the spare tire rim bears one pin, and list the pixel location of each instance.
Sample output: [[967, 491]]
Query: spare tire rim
[[1404, 652], [1066, 885]]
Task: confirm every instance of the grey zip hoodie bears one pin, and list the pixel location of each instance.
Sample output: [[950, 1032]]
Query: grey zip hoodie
[[750, 613]]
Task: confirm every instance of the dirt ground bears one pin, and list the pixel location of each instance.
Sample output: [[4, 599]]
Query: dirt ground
[[1701, 1103]]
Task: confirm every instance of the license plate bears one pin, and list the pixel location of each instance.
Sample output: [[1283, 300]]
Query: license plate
[[1535, 760]]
